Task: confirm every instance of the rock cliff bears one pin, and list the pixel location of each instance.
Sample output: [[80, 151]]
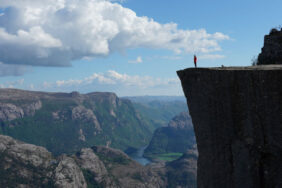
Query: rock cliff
[[237, 117], [271, 53]]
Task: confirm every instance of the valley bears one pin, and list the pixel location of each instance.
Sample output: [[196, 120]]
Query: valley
[[67, 122], [80, 132]]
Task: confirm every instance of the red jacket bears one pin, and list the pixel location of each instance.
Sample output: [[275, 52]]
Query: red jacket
[[195, 59]]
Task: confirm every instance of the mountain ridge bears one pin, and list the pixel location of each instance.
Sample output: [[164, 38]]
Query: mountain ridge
[[65, 122]]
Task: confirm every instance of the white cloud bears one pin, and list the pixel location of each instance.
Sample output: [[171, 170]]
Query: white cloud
[[55, 32], [34, 37], [113, 78], [138, 60], [211, 56]]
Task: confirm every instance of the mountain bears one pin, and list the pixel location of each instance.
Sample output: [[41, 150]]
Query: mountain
[[66, 122], [148, 99], [157, 111], [27, 165], [177, 137]]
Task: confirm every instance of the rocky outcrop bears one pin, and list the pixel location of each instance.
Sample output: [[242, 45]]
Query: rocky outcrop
[[26, 165], [128, 173], [237, 117], [9, 112], [271, 53], [88, 160], [80, 113], [181, 121], [30, 108], [68, 174]]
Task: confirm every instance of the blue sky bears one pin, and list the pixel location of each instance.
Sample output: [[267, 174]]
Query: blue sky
[[95, 45]]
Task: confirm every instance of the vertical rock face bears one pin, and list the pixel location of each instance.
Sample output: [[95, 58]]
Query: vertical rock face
[[237, 117], [271, 53]]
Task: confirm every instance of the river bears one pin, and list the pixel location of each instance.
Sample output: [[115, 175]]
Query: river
[[138, 156]]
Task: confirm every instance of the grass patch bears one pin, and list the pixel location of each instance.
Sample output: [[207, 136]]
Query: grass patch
[[168, 156]]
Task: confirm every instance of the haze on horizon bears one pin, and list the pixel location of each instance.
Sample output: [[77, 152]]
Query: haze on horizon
[[128, 47]]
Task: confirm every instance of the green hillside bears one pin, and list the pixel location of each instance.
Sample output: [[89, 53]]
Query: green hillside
[[66, 122], [158, 111], [177, 137]]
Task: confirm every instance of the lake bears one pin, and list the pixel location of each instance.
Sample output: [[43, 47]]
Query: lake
[[138, 156]]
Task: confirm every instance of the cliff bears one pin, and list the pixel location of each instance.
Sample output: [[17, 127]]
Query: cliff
[[237, 117], [271, 53]]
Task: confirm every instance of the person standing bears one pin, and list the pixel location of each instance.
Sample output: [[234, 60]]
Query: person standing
[[195, 61]]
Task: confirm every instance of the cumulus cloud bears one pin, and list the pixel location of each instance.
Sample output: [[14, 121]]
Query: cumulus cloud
[[138, 60], [114, 78], [55, 32], [122, 84], [12, 70]]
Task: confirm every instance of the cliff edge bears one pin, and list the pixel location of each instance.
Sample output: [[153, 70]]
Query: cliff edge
[[237, 117]]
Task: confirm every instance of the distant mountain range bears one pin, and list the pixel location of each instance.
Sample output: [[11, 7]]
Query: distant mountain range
[[148, 99], [66, 122], [158, 110]]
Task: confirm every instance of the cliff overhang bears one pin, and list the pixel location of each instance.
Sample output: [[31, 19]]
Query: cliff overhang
[[237, 117]]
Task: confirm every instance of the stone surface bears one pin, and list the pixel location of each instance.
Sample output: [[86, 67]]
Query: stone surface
[[181, 121], [237, 117], [80, 113], [87, 159], [9, 112], [26, 165], [68, 174], [271, 53]]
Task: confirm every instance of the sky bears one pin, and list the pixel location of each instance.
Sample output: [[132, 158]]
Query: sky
[[130, 47]]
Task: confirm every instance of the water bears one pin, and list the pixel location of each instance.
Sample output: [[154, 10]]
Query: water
[[138, 156]]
